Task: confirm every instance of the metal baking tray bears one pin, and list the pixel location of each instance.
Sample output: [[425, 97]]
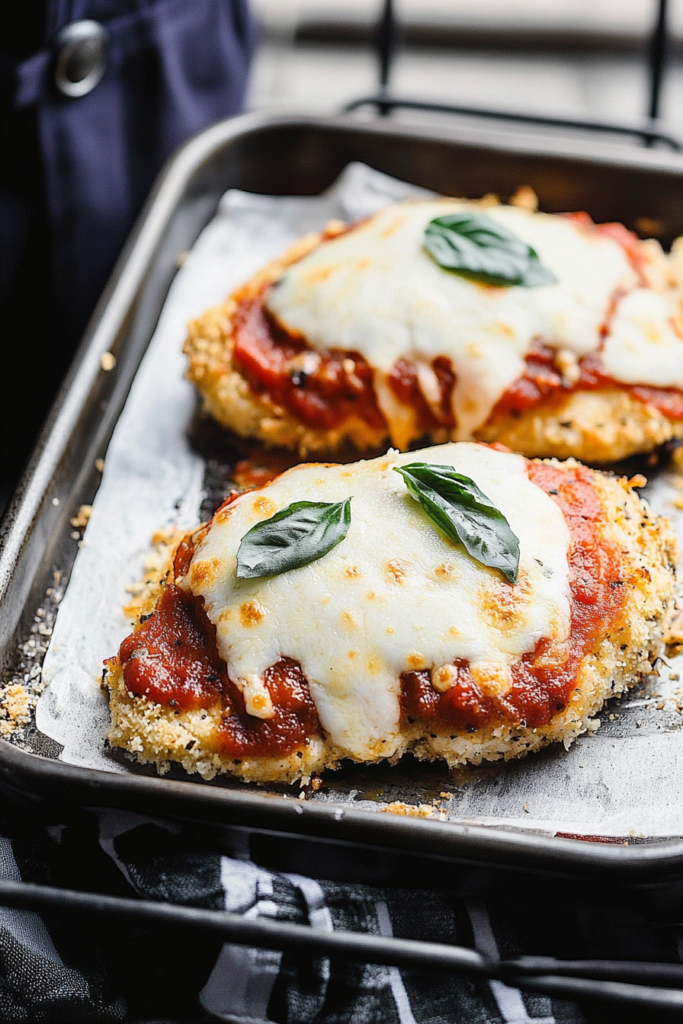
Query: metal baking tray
[[298, 156]]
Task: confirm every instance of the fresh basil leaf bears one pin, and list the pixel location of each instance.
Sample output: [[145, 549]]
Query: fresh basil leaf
[[464, 513], [293, 537], [476, 246]]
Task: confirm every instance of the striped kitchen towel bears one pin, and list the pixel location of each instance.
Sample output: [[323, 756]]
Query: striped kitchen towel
[[81, 969]]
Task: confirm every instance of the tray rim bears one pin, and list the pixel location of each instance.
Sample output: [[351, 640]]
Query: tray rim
[[482, 845]]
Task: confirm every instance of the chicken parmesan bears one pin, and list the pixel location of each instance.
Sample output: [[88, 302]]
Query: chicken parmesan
[[460, 602], [444, 319]]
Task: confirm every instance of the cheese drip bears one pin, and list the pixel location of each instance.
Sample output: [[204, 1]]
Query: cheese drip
[[395, 595], [375, 290]]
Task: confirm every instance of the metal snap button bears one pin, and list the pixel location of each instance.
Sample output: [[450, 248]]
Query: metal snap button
[[81, 57]]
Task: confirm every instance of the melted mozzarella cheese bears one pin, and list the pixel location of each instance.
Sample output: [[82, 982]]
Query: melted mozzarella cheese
[[644, 346], [394, 595], [377, 291]]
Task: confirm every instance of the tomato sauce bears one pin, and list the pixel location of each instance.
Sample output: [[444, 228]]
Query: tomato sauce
[[544, 680], [542, 381], [172, 659], [404, 382], [320, 390]]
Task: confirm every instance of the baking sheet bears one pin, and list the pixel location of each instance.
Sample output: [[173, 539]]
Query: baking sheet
[[626, 779]]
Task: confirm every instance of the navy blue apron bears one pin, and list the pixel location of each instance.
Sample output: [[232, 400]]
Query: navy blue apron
[[76, 170]]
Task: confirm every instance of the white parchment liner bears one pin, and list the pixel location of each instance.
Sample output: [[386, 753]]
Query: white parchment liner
[[626, 779]]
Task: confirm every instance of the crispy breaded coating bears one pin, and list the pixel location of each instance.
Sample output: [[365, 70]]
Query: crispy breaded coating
[[622, 653], [597, 426]]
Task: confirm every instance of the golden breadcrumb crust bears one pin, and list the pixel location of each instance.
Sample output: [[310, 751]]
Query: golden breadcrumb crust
[[594, 426], [620, 656]]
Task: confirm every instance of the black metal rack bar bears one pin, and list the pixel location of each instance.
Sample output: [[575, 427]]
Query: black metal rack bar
[[649, 132], [658, 54], [650, 985]]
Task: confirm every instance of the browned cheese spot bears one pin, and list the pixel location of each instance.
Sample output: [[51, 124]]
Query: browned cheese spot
[[318, 274], [444, 677], [397, 570], [553, 656], [259, 702], [393, 226], [251, 613], [203, 573], [493, 678], [506, 329], [264, 506], [501, 602]]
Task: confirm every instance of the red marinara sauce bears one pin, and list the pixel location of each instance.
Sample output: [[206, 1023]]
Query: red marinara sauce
[[544, 680], [173, 659], [320, 389], [324, 389], [542, 380]]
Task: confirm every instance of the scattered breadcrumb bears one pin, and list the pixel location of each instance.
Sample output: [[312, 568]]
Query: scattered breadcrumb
[[673, 637], [99, 465], [21, 685], [15, 703], [80, 521], [107, 361], [525, 199], [398, 807]]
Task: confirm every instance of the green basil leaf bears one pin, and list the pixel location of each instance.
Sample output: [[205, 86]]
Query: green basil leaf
[[476, 246], [464, 513], [293, 537]]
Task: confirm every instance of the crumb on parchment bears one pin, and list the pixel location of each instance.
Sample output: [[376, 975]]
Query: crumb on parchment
[[421, 811], [15, 705], [81, 519]]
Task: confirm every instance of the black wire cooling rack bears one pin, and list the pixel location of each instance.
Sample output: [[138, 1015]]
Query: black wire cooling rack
[[650, 131]]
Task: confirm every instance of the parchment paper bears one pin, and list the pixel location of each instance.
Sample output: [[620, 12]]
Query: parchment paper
[[627, 779]]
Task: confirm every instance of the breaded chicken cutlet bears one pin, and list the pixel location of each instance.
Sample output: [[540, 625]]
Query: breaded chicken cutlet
[[442, 319], [460, 602]]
